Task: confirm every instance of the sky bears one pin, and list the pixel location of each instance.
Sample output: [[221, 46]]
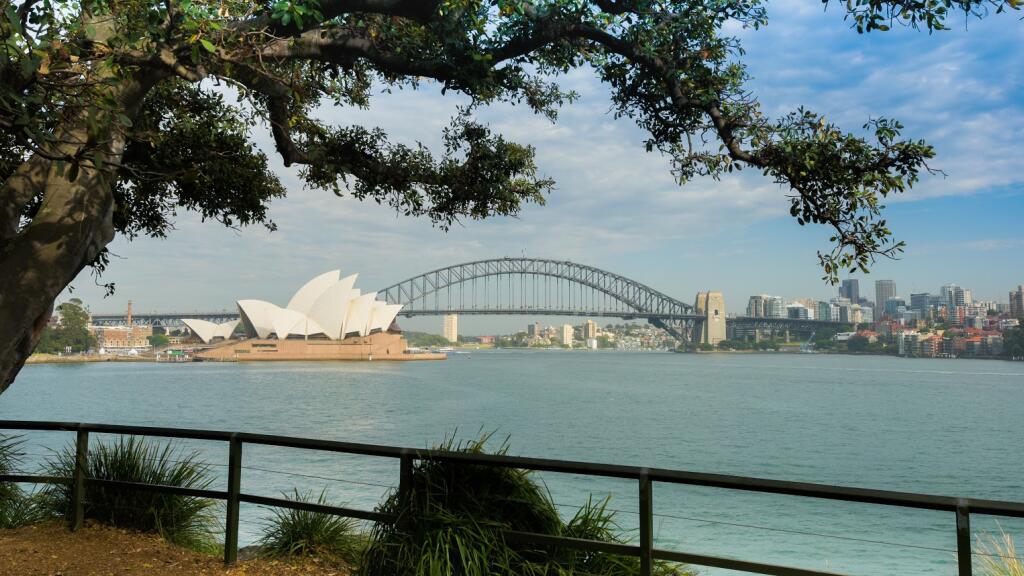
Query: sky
[[617, 207]]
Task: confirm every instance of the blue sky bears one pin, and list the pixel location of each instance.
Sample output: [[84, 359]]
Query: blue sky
[[618, 208]]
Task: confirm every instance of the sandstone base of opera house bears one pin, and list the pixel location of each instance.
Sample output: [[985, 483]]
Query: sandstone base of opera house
[[379, 346]]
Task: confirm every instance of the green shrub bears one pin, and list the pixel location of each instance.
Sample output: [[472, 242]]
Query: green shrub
[[17, 508], [304, 533], [183, 520], [452, 519], [10, 459]]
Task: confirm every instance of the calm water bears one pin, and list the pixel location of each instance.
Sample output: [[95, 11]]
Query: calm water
[[937, 426]]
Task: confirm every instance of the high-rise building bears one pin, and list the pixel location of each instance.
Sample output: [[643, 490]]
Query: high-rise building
[[842, 310], [756, 306], [797, 312], [1017, 302], [451, 327], [775, 308], [590, 330], [893, 306], [824, 312], [565, 334], [952, 295], [884, 289], [920, 301], [850, 288], [711, 305], [533, 330]]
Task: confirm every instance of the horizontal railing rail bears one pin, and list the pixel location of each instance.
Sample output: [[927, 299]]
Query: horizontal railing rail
[[961, 507]]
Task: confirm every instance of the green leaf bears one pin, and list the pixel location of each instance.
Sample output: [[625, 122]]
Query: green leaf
[[208, 45]]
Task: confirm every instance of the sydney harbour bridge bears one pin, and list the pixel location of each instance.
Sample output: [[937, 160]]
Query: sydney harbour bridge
[[530, 287]]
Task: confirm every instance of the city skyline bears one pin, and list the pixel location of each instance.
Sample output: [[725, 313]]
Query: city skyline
[[617, 208]]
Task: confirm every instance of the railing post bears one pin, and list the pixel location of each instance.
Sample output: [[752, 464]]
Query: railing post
[[963, 539], [646, 526], [78, 480], [234, 488], [405, 490]]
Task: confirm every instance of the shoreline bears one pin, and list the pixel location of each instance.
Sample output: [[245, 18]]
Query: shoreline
[[82, 359], [92, 358]]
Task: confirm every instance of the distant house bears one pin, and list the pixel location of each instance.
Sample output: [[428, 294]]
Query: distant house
[[871, 335]]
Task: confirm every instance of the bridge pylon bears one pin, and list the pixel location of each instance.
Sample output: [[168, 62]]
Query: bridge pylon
[[710, 306]]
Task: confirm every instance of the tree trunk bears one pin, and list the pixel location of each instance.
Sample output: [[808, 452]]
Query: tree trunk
[[73, 225]]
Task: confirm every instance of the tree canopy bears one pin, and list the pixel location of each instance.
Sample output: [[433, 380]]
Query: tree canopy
[[113, 116], [71, 334]]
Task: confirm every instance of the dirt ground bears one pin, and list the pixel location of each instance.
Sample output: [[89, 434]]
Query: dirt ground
[[50, 550]]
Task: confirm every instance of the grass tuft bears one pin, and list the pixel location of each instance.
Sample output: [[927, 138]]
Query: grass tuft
[[183, 520], [999, 556], [304, 533], [452, 520]]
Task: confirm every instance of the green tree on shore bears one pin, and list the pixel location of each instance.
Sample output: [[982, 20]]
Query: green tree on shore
[[71, 334], [1013, 343], [111, 122], [858, 344]]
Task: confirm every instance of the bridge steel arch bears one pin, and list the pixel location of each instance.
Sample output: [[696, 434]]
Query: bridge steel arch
[[640, 300]]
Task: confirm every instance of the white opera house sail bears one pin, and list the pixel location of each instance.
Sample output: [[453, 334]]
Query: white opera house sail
[[327, 307], [327, 318], [210, 331]]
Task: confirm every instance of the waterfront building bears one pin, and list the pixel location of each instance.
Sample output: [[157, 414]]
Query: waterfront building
[[884, 289], [776, 307], [566, 334], [1017, 302], [711, 305], [327, 307], [326, 319], [122, 339], [451, 327], [850, 289], [908, 343], [931, 346], [209, 332], [590, 330], [533, 330]]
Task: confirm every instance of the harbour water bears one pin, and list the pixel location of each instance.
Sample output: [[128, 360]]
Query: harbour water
[[950, 427]]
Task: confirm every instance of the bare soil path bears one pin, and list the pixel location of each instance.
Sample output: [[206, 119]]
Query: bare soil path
[[96, 550]]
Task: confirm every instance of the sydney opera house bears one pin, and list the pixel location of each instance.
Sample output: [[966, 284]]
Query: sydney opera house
[[327, 319]]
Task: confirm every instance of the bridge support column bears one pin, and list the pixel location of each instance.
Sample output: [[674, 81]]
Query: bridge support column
[[711, 307]]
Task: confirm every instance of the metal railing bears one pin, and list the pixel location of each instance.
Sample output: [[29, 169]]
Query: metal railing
[[961, 508]]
